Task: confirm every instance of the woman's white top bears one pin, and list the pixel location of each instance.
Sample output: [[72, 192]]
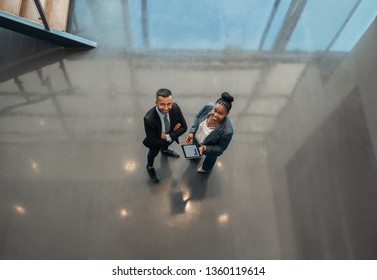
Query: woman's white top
[[202, 132]]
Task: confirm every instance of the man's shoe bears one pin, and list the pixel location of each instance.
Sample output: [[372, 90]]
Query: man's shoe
[[153, 174], [170, 153]]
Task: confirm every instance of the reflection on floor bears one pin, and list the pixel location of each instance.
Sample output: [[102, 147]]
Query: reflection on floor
[[298, 181]]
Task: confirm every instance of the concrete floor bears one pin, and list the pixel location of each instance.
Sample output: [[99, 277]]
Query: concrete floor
[[298, 181]]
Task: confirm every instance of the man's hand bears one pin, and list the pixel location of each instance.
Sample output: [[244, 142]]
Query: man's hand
[[178, 125], [163, 135]]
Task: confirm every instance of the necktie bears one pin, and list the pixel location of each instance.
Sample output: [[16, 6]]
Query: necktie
[[167, 124]]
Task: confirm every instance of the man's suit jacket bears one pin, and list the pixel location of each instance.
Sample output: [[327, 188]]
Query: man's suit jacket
[[153, 127]]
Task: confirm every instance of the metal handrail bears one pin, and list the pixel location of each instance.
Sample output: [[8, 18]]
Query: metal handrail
[[42, 14]]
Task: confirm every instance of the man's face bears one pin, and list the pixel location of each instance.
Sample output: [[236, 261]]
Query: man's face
[[164, 104]]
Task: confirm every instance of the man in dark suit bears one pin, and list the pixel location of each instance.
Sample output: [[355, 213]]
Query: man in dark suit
[[163, 124]]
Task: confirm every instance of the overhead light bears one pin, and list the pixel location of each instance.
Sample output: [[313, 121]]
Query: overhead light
[[223, 219], [123, 213], [41, 122], [34, 165], [19, 209], [129, 165]]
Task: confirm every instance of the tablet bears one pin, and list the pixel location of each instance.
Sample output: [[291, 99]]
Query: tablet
[[191, 151]]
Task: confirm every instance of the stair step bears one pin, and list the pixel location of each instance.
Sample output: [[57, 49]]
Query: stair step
[[11, 6]]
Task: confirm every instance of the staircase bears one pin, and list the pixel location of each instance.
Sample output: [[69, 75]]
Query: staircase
[[23, 16]]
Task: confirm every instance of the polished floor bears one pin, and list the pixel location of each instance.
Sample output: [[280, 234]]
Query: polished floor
[[298, 181]]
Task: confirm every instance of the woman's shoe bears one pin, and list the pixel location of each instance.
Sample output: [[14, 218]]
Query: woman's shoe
[[201, 170]]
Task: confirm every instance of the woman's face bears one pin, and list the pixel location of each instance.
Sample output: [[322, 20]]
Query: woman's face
[[219, 112]]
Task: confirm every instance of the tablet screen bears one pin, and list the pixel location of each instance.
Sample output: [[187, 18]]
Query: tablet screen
[[191, 151]]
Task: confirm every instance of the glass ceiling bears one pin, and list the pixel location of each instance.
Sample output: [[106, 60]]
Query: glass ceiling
[[242, 24]]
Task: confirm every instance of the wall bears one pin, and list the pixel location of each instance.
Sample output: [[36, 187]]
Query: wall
[[327, 161]]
